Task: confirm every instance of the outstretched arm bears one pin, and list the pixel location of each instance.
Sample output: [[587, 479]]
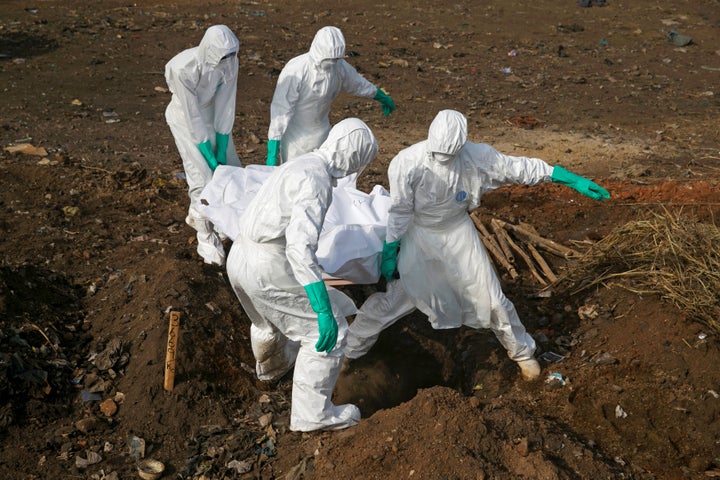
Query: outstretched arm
[[581, 184]]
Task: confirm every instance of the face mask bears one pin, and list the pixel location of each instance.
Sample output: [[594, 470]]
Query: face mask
[[328, 64], [441, 157]]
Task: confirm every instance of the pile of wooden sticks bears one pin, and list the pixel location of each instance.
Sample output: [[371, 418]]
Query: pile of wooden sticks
[[508, 240]]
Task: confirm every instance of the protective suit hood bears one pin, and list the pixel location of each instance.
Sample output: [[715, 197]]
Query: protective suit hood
[[349, 148], [217, 42], [447, 133], [329, 42]]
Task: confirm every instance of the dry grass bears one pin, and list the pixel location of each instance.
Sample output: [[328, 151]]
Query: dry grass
[[668, 254]]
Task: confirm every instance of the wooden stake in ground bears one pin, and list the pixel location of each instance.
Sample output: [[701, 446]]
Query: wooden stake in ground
[[171, 351]]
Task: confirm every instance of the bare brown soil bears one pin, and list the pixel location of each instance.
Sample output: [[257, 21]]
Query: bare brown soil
[[94, 251]]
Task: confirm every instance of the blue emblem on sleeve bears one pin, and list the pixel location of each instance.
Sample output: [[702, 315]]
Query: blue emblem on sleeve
[[460, 196]]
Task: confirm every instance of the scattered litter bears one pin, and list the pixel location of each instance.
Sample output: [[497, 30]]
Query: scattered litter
[[47, 161], [92, 459], [111, 356], [27, 149], [506, 70], [588, 312], [713, 393], [555, 377], [526, 122], [111, 117], [213, 308], [240, 466], [265, 420], [265, 446], [70, 211], [678, 39], [137, 447], [161, 89], [551, 357], [254, 13], [76, 102], [512, 53], [604, 358], [150, 469], [298, 471], [88, 396], [603, 42], [619, 412]]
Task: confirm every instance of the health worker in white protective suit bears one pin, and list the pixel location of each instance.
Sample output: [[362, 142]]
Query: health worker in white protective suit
[[295, 317], [203, 82], [305, 90], [444, 270]]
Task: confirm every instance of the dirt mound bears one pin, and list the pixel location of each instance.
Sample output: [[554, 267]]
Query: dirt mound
[[443, 434]]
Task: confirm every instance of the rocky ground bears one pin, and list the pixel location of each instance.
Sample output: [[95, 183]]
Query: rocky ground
[[95, 253]]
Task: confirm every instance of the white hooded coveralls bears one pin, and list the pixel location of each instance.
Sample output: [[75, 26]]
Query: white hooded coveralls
[[280, 228], [204, 86], [444, 269], [299, 113]]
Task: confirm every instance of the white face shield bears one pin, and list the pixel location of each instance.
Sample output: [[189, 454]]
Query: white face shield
[[328, 64]]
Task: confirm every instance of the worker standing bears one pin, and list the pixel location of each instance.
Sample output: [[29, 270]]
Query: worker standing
[[201, 113], [305, 91], [295, 318], [444, 269]]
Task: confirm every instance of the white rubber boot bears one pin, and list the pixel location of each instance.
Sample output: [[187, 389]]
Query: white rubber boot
[[530, 369]]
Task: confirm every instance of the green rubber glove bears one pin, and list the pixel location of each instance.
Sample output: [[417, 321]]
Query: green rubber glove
[[327, 326], [206, 150], [388, 105], [581, 184], [388, 264], [273, 151], [221, 142]]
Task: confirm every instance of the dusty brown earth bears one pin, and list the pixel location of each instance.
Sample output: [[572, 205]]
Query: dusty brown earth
[[95, 253]]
